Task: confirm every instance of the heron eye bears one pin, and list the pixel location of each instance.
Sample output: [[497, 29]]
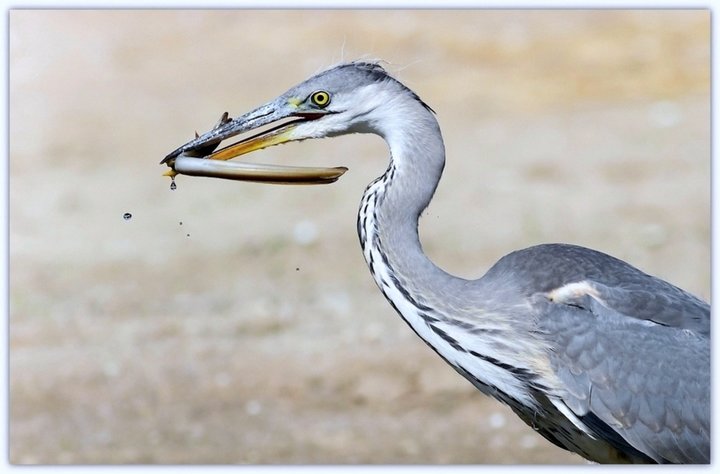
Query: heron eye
[[320, 98]]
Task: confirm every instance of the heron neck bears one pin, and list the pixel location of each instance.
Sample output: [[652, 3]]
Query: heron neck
[[431, 301], [392, 205]]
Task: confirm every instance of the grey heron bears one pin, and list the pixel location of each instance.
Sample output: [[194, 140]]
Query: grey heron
[[595, 355]]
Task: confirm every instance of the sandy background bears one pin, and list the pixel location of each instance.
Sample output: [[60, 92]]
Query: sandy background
[[238, 323]]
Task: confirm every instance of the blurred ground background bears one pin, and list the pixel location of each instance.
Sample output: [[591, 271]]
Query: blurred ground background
[[238, 323]]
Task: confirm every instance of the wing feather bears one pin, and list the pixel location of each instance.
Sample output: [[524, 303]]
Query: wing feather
[[648, 382]]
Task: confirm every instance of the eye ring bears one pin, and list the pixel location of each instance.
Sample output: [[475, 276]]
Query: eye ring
[[320, 98]]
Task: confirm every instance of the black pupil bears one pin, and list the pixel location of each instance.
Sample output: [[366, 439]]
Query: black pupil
[[320, 98]]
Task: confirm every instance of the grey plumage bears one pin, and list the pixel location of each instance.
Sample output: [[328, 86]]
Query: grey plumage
[[633, 360], [597, 356]]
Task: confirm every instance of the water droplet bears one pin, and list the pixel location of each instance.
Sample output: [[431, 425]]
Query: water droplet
[[297, 269], [180, 222], [127, 216], [173, 186], [188, 235]]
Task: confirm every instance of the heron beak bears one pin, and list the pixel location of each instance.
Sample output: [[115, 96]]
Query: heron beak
[[196, 158]]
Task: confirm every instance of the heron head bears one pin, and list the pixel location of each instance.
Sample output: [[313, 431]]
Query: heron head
[[344, 99]]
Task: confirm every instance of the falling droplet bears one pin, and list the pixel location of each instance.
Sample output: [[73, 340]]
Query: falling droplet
[[173, 186], [188, 235], [127, 216], [180, 222], [297, 269]]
